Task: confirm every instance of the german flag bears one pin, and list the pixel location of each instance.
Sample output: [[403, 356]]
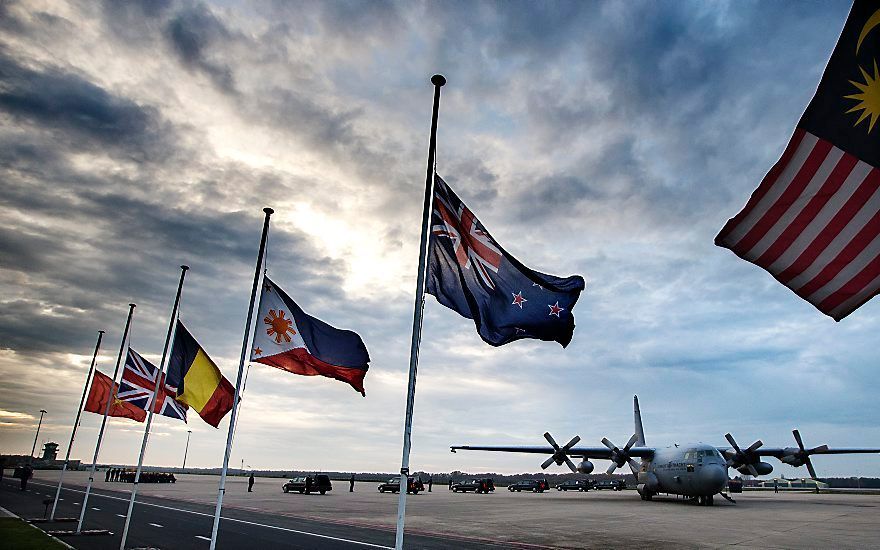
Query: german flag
[[199, 382], [102, 389]]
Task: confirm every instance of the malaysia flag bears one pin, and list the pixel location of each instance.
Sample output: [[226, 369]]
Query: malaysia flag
[[139, 383], [470, 273], [289, 339], [814, 221]]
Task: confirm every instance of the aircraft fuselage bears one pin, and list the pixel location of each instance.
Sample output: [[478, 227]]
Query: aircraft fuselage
[[691, 470]]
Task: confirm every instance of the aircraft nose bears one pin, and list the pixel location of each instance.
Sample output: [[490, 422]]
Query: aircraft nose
[[714, 476]]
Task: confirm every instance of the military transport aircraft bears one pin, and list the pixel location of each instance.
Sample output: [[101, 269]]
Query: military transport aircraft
[[698, 471]]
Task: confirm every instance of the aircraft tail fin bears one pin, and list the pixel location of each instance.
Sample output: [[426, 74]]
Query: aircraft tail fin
[[637, 416]]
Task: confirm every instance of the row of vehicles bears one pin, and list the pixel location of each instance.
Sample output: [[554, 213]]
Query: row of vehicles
[[582, 485], [320, 483], [587, 484]]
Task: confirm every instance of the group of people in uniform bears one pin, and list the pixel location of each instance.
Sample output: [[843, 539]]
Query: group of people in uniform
[[127, 476]]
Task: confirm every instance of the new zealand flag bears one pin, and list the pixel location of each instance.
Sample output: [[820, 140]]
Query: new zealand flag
[[470, 273]]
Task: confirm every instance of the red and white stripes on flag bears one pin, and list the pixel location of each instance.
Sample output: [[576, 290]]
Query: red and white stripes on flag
[[814, 224]]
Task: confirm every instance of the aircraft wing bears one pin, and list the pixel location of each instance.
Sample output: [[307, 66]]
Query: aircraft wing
[[779, 452], [586, 452]]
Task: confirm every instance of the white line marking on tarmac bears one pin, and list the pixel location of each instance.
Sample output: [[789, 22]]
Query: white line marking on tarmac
[[77, 503], [173, 509], [96, 509], [203, 538], [154, 524]]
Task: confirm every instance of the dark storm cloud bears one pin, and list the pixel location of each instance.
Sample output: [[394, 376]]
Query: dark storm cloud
[[357, 21], [53, 99], [26, 326], [28, 250], [195, 34]]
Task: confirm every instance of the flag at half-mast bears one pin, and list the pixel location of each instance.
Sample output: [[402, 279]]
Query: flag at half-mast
[[470, 273], [814, 221], [289, 339], [103, 388], [199, 383], [139, 383]]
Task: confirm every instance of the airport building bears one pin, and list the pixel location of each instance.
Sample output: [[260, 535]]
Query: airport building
[[802, 483]]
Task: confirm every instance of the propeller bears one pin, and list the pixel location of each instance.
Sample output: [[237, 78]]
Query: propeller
[[802, 456], [560, 454], [619, 457], [739, 458]]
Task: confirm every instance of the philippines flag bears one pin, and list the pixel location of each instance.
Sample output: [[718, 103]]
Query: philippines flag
[[138, 383], [287, 338], [814, 221]]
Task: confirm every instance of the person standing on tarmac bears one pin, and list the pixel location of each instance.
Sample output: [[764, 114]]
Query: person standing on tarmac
[[430, 482], [26, 472], [351, 481], [251, 483]]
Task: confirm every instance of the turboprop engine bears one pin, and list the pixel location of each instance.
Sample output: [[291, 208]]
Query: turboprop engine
[[560, 454], [801, 456], [756, 468], [585, 467]]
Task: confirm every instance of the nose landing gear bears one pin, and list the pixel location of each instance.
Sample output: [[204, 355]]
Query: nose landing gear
[[706, 500]]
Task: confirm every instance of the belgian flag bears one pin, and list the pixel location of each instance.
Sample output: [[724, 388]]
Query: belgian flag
[[199, 382]]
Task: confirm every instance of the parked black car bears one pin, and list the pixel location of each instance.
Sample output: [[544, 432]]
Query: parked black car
[[616, 484], [533, 485], [575, 485], [484, 485], [413, 486], [308, 484]]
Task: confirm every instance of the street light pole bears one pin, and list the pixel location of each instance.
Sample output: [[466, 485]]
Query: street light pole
[[34, 448], [185, 450]]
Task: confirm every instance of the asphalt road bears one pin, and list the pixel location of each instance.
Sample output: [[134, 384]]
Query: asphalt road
[[179, 516], [167, 523]]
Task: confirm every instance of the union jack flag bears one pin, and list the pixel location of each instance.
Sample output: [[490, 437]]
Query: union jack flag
[[138, 383], [471, 242]]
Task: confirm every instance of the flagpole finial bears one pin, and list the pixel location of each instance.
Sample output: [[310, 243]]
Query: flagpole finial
[[438, 80], [268, 211], [184, 267], [100, 332], [132, 306]]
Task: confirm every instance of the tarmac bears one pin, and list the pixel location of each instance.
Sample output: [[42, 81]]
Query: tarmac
[[442, 519]]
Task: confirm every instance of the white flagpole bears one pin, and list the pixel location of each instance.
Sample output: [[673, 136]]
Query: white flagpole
[[151, 406], [122, 348], [244, 350], [76, 424], [438, 81]]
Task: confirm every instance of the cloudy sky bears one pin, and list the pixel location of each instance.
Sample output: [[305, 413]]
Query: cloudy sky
[[610, 140]]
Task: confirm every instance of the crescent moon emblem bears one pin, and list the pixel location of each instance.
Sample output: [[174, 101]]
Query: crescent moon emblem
[[872, 22]]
